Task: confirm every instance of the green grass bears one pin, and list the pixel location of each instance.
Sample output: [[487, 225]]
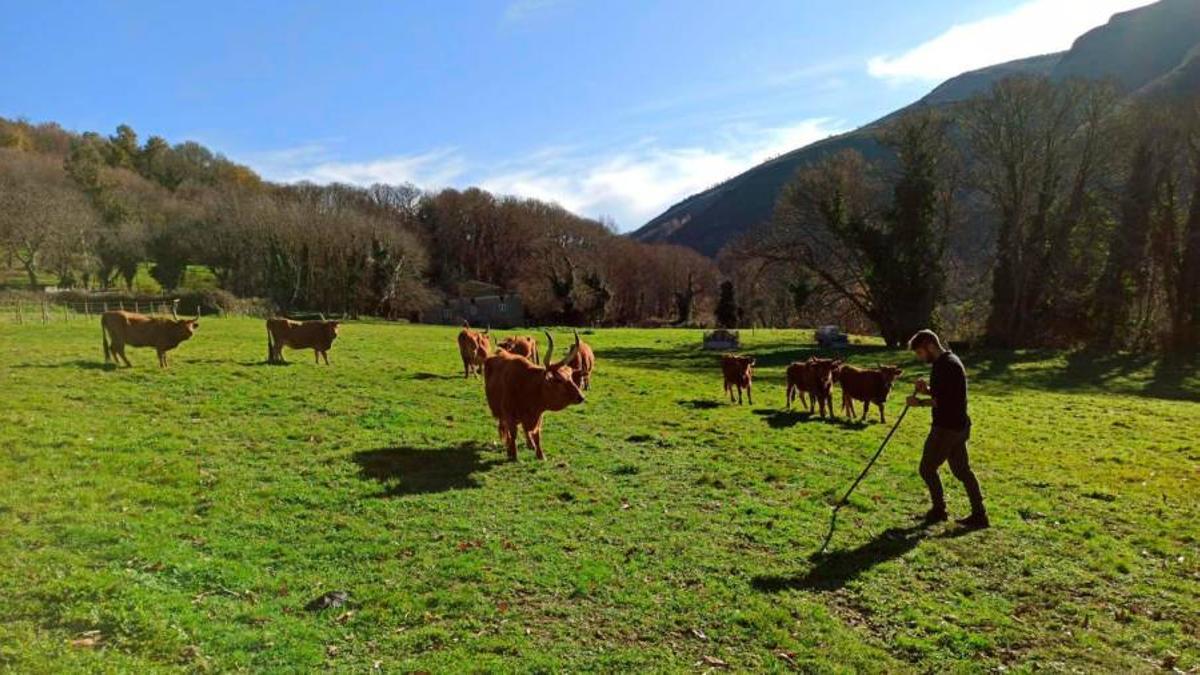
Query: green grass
[[188, 515]]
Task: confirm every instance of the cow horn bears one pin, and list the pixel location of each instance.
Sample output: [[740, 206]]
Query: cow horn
[[549, 349], [576, 330], [322, 315]]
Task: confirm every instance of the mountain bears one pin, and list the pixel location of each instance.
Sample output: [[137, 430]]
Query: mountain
[[1150, 50]]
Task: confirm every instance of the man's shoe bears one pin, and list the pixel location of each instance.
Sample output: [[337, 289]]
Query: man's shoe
[[975, 521], [934, 516]]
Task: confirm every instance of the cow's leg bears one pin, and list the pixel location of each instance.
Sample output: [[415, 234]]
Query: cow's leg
[[866, 410], [881, 417], [529, 440], [537, 442], [325, 355], [162, 359], [508, 430], [316, 356], [120, 351]]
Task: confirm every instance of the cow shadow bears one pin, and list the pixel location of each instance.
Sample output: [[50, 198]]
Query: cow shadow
[[783, 419], [434, 376], [78, 363], [700, 404], [832, 571], [405, 471]]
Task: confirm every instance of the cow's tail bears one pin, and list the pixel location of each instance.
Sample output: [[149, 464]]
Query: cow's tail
[[104, 341]]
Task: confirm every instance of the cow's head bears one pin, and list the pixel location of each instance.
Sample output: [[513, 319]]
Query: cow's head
[[890, 373], [559, 385], [332, 328], [743, 365], [186, 328], [825, 369]]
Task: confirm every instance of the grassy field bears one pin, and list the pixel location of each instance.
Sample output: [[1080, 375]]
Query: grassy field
[[182, 519]]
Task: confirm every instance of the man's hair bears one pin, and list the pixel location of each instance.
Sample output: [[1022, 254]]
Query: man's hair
[[924, 337]]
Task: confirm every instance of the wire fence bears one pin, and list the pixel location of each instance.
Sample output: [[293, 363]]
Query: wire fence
[[23, 312]]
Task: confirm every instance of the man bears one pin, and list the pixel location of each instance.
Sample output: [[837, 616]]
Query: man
[[947, 440]]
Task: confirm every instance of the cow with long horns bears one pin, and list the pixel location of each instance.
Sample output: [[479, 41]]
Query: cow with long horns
[[473, 347], [582, 361], [119, 328], [519, 392]]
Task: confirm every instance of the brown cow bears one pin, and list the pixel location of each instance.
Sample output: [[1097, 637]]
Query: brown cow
[[315, 335], [582, 361], [812, 380], [139, 330], [521, 346], [737, 371], [519, 392], [473, 347], [868, 386]]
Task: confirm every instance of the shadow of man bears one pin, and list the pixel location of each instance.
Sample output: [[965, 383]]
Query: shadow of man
[[832, 571], [411, 471]]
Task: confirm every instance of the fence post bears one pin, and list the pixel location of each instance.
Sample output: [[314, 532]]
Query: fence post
[[44, 319], [64, 313], [20, 319], [122, 305], [86, 313], [136, 308]]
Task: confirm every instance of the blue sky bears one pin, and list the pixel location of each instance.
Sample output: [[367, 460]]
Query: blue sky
[[613, 108]]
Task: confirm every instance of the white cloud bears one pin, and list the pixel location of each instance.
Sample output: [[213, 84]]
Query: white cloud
[[636, 183], [1033, 27], [631, 184], [314, 162]]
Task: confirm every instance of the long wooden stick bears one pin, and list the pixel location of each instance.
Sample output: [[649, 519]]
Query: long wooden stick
[[846, 498]]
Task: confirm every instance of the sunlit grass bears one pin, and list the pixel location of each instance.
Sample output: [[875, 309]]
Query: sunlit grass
[[188, 515]]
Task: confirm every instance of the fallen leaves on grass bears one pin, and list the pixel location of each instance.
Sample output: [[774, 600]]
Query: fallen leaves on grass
[[715, 662]]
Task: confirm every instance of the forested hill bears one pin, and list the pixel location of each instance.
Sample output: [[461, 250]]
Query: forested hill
[[88, 211], [1154, 49]]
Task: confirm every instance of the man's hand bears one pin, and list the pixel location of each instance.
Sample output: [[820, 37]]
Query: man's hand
[[922, 386], [913, 402]]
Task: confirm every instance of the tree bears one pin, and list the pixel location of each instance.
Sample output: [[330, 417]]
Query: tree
[[1039, 150], [41, 213], [727, 308], [883, 253]]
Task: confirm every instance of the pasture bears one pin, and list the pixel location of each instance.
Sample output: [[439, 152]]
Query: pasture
[[157, 520]]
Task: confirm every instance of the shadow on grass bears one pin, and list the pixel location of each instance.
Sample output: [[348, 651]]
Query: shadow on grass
[[78, 363], [414, 471], [700, 404], [832, 571], [434, 376], [1174, 377], [695, 359], [783, 419]]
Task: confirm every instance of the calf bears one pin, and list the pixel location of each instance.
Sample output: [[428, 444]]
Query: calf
[[812, 380], [868, 386], [519, 392], [795, 384], [139, 330], [737, 371], [473, 347], [582, 361], [521, 346], [315, 335]]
